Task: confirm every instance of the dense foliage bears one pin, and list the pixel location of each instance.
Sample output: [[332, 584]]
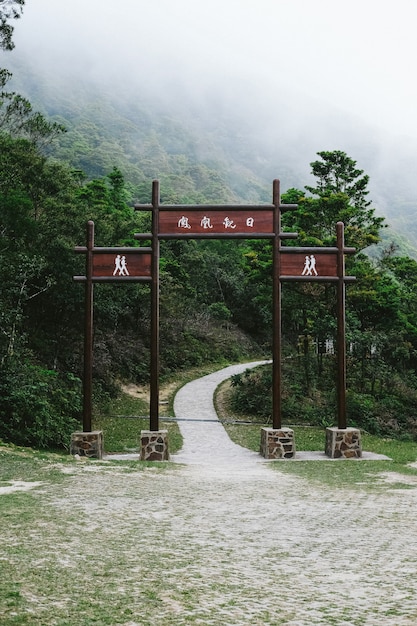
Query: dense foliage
[[381, 324], [215, 295], [44, 208]]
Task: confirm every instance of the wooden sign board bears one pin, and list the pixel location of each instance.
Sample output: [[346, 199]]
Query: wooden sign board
[[121, 266], [308, 266], [215, 222]]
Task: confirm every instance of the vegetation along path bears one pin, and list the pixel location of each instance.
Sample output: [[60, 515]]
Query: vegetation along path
[[217, 538]]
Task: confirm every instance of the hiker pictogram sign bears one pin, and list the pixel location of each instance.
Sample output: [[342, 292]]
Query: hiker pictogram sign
[[308, 266], [314, 264], [116, 264], [120, 265]]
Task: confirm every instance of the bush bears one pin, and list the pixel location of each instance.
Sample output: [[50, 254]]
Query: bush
[[361, 412], [38, 407], [251, 392], [390, 415]]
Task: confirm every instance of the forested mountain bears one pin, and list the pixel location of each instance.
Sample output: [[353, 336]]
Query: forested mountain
[[212, 149], [215, 295]]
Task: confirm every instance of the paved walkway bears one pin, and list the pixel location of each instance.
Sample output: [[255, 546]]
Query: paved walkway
[[206, 442]]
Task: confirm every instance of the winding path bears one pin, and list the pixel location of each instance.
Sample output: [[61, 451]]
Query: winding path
[[208, 443]]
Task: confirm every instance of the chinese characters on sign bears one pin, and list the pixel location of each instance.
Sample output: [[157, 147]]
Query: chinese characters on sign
[[216, 223]]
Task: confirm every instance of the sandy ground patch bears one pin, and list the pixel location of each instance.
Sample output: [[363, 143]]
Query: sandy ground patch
[[18, 485]]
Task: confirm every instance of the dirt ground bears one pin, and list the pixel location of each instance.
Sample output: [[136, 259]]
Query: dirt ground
[[244, 545], [227, 540]]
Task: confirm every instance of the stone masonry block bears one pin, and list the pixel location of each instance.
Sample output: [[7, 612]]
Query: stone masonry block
[[87, 444], [277, 443], [154, 445], [343, 443]]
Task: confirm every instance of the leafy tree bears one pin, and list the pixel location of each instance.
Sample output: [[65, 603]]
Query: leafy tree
[[18, 119], [339, 195], [9, 10], [337, 173]]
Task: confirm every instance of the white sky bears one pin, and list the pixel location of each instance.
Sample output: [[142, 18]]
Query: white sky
[[358, 56]]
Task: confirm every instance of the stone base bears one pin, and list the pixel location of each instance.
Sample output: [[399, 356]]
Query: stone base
[[343, 443], [277, 443], [87, 444], [154, 445]]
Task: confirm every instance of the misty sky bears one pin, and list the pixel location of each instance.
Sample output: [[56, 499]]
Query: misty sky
[[358, 57]]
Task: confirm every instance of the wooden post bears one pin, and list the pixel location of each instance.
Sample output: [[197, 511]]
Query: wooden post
[[88, 334], [341, 328], [276, 332], [154, 390]]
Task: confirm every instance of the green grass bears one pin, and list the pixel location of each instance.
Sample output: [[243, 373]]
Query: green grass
[[339, 473], [26, 464], [313, 438], [126, 405], [122, 434], [125, 418], [309, 438]]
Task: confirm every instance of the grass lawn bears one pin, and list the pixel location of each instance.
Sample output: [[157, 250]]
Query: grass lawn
[[310, 438], [125, 418]]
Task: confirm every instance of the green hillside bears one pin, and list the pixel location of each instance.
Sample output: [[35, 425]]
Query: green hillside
[[208, 150], [215, 296]]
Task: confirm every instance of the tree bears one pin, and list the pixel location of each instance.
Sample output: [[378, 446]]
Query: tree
[[9, 10], [337, 173], [341, 192], [18, 119]]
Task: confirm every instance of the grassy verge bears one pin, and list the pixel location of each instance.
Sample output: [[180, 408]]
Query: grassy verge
[[122, 434], [308, 438], [126, 416], [24, 464]]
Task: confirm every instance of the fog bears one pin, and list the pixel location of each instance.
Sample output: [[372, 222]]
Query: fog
[[357, 57], [319, 75]]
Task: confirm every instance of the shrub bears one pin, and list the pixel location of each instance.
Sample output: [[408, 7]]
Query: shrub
[[252, 392], [38, 407], [361, 412]]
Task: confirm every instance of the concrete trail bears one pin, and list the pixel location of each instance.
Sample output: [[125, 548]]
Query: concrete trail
[[206, 442]]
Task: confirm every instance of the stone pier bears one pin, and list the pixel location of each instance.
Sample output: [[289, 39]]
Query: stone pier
[[154, 445], [277, 443], [87, 444], [343, 443]]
